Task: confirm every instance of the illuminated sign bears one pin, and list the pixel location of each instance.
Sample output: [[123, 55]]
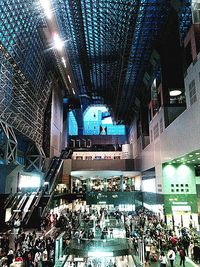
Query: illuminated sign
[[79, 259], [27, 180], [100, 254], [181, 208], [179, 203]]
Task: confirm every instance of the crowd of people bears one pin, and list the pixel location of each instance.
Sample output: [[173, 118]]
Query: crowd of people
[[161, 243], [28, 250]]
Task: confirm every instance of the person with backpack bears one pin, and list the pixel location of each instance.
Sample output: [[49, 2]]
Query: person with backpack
[[182, 256], [171, 256]]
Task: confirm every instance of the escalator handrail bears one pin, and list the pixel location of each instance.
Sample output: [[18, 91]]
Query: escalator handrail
[[8, 199], [47, 179], [17, 197], [51, 190], [19, 208], [53, 171], [28, 204], [49, 169], [29, 214], [51, 186]]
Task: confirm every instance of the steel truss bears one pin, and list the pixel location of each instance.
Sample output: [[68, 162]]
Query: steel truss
[[25, 73], [35, 157], [110, 43], [8, 143], [21, 105]]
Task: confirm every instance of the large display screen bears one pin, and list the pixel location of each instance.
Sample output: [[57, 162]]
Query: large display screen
[[29, 180], [149, 185]]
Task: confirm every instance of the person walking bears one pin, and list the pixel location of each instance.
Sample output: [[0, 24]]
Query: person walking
[[171, 257]]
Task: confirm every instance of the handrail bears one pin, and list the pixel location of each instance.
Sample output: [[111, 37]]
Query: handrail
[[39, 194], [49, 169], [51, 179], [21, 202], [60, 163], [8, 200]]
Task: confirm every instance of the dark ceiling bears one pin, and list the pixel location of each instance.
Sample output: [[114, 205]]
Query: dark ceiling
[[109, 44]]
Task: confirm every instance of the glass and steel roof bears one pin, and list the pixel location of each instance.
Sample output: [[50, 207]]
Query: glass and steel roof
[[109, 43]]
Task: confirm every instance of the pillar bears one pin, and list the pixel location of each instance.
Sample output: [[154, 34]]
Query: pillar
[[105, 184], [121, 183]]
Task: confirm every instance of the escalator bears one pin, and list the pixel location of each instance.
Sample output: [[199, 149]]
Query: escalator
[[16, 206], [45, 195], [11, 204], [28, 204], [66, 154], [11, 200]]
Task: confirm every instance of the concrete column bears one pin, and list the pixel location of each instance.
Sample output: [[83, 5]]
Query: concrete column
[[88, 185], [105, 185], [121, 183]]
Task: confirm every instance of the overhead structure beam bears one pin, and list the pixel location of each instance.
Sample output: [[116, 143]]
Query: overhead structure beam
[[110, 44], [35, 157], [8, 143], [25, 73]]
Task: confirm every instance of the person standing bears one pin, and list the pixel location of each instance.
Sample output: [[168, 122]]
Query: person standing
[[171, 256], [163, 260], [44, 258], [182, 256]]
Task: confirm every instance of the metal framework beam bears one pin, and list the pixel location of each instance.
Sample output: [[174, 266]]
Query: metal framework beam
[[35, 157], [8, 143], [25, 73]]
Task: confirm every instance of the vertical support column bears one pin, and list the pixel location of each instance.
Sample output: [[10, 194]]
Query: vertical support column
[[121, 183], [88, 185], [71, 184], [57, 252], [105, 184], [61, 247], [65, 140]]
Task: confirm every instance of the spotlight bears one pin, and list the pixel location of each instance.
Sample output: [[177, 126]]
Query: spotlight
[[47, 8], [64, 62], [58, 43], [175, 92]]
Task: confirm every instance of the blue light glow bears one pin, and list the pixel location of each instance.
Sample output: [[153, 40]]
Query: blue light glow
[[97, 120], [73, 127]]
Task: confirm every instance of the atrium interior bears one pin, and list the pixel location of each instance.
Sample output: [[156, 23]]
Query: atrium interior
[[99, 133]]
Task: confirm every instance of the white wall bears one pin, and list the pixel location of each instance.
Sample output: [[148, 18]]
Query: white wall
[[193, 72], [182, 136]]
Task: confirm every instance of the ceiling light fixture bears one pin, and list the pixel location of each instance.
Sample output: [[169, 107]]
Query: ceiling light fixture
[[64, 62], [69, 78], [58, 43], [47, 8], [175, 92]]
